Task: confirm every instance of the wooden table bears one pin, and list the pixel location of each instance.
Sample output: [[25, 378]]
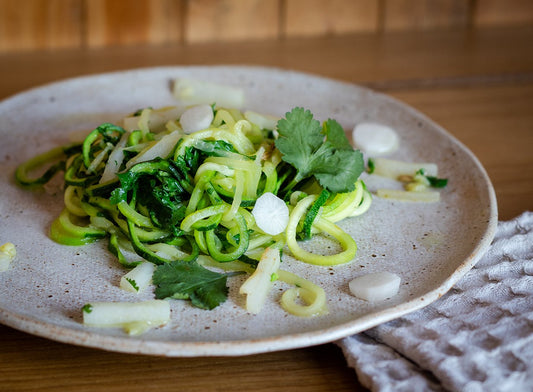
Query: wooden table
[[477, 84]]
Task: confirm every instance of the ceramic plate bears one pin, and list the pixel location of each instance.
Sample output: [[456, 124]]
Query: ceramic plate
[[430, 246]]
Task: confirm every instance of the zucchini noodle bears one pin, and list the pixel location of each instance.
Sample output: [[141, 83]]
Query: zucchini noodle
[[346, 241], [313, 296], [73, 202], [164, 196]]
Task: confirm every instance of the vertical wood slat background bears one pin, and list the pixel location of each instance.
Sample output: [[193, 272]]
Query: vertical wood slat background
[[50, 24], [124, 22]]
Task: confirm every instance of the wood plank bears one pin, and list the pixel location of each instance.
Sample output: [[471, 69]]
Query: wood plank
[[318, 17], [166, 21], [390, 61], [498, 13], [118, 22], [425, 14], [40, 24], [54, 366], [231, 20]]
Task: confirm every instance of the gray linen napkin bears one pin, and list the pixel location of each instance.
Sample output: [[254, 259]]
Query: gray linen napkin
[[477, 337]]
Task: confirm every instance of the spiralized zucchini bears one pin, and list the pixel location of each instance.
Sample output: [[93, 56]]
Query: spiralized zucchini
[[313, 296], [167, 195]]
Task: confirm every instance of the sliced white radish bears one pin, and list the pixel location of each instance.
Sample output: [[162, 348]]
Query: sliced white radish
[[197, 118], [139, 278], [375, 286], [375, 139], [263, 121], [159, 149], [392, 168], [154, 120], [115, 160], [130, 124], [99, 158], [191, 92], [425, 196], [134, 317], [160, 117], [271, 214], [258, 285]]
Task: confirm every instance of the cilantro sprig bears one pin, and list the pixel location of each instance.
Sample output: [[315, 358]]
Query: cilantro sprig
[[322, 151], [206, 289]]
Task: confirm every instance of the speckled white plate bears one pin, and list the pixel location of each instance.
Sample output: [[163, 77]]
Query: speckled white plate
[[430, 246]]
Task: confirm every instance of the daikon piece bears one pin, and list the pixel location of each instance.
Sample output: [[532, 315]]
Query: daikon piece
[[197, 118], [394, 169], [375, 139], [153, 119], [116, 157], [425, 196], [134, 317], [258, 285], [271, 214], [375, 286], [139, 278], [159, 149], [191, 92]]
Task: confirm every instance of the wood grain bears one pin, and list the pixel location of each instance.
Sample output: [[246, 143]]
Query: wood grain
[[503, 13], [58, 367], [318, 17], [40, 24], [388, 62], [425, 14], [231, 20], [119, 22], [51, 24]]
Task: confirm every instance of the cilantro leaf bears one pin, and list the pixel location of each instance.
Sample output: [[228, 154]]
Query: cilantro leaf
[[189, 280], [335, 135], [320, 151], [437, 182], [87, 308], [133, 283], [300, 136], [434, 182]]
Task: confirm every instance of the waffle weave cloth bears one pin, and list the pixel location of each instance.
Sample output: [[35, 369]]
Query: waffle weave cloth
[[477, 337]]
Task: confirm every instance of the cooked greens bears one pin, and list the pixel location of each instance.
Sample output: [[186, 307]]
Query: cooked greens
[[172, 198]]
